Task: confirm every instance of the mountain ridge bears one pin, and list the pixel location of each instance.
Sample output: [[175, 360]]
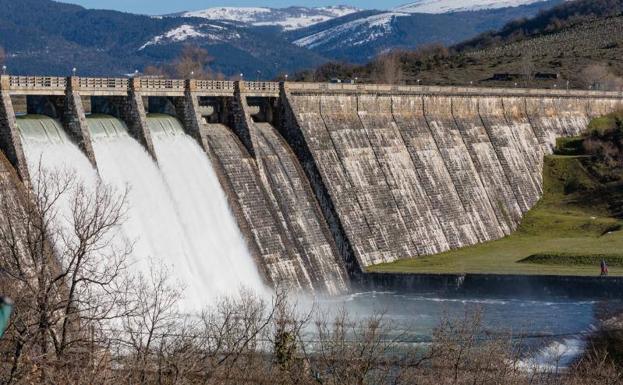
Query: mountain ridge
[[43, 37]]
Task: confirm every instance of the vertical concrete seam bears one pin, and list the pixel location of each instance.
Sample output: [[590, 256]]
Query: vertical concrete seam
[[427, 120], [316, 279], [385, 178], [524, 151], [348, 178], [471, 157], [245, 122], [316, 206], [412, 161], [334, 227], [497, 156]]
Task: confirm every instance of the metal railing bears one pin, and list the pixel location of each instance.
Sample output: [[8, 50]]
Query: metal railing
[[162, 84], [215, 85], [261, 86], [43, 83], [444, 90], [95, 83], [37, 82]]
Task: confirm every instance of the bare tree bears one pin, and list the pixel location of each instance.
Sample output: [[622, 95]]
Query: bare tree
[[599, 77], [151, 317], [60, 252], [388, 69], [155, 71], [193, 62], [527, 68]]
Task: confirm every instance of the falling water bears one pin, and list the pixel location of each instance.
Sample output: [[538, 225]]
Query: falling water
[[177, 216], [49, 150], [218, 249], [165, 214]]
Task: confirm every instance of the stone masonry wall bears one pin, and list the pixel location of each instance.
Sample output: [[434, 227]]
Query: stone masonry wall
[[290, 199], [466, 181], [511, 154], [423, 227], [434, 176], [285, 182], [486, 163], [10, 141], [412, 175], [241, 177]]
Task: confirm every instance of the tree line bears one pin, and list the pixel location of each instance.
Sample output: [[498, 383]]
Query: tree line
[[82, 316]]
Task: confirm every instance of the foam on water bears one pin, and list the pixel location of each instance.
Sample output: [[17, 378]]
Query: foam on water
[[556, 356]]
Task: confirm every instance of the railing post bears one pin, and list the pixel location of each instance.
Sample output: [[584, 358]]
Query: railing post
[[134, 84], [73, 83], [5, 82], [191, 85]]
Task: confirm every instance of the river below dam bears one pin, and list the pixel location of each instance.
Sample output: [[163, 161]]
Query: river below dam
[[552, 330]]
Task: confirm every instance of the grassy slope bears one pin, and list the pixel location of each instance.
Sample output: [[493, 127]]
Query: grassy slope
[[574, 218]]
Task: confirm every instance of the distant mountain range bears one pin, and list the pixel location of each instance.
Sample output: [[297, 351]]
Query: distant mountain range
[[361, 36], [47, 37], [288, 18], [446, 6]]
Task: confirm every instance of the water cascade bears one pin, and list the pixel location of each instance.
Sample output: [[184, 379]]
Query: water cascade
[[177, 216], [218, 248], [49, 150], [161, 219]]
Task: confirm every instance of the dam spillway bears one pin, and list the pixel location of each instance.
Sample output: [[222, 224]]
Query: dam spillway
[[316, 181], [218, 250]]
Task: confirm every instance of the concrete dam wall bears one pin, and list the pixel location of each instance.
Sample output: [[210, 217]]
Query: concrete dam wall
[[421, 173], [320, 180]]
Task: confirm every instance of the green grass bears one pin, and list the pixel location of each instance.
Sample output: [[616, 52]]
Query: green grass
[[607, 122], [574, 225], [613, 260]]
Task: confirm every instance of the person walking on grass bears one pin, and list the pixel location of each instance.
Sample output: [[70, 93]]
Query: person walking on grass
[[604, 268]]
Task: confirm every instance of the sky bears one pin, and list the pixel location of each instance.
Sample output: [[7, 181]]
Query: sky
[[159, 7]]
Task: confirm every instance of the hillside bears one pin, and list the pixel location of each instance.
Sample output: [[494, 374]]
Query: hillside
[[565, 15], [582, 48], [359, 37], [48, 37], [586, 55], [577, 222]]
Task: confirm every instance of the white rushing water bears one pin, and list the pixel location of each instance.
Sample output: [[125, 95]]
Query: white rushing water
[[48, 150], [177, 216], [218, 248]]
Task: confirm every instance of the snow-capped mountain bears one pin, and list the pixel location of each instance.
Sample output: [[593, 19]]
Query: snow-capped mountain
[[352, 33], [290, 18], [363, 35], [211, 33], [445, 6]]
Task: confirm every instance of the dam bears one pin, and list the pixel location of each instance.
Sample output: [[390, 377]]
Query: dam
[[305, 185]]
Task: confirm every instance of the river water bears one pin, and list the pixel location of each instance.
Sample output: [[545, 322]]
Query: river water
[[552, 330]]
